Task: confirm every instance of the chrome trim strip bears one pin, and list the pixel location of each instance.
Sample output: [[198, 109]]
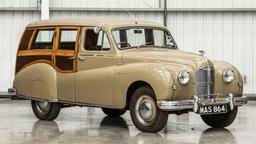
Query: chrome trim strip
[[65, 102], [175, 105], [86, 104], [36, 99]]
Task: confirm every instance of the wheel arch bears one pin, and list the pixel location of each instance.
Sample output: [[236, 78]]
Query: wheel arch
[[131, 76], [132, 88]]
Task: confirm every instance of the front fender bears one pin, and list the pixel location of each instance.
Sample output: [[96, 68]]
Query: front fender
[[155, 74], [37, 81], [235, 87]]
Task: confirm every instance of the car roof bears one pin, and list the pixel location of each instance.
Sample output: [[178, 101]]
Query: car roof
[[89, 21]]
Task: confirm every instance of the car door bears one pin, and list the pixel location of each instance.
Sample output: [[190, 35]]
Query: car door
[[96, 62], [64, 55]]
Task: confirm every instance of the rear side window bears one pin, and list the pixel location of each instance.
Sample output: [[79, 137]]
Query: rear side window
[[67, 39], [25, 39], [43, 40]]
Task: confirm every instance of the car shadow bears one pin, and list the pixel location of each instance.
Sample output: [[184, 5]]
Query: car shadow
[[217, 135], [117, 130], [115, 122]]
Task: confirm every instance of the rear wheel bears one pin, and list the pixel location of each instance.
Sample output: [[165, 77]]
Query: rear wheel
[[113, 112], [144, 112], [220, 120], [45, 110]]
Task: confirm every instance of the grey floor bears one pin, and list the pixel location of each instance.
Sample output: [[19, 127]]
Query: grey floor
[[89, 125]]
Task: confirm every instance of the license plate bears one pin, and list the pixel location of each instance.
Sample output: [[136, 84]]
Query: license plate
[[212, 109]]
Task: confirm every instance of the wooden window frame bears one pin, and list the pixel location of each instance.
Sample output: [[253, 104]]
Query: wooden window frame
[[54, 51], [72, 54]]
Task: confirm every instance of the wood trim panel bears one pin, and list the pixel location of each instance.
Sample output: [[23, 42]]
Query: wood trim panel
[[54, 51], [55, 45], [69, 53], [21, 40], [47, 62], [45, 27], [34, 52], [65, 53], [77, 46], [37, 61], [32, 39]]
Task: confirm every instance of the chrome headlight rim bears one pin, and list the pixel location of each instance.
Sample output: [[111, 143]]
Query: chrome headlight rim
[[183, 77], [228, 75]]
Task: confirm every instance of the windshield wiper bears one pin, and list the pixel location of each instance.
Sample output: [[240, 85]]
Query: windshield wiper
[[131, 47], [147, 44], [140, 46], [144, 45], [167, 46]]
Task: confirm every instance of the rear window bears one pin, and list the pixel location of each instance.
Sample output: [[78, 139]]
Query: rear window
[[25, 39], [44, 39]]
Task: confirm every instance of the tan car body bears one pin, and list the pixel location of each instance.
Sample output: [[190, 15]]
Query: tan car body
[[105, 79]]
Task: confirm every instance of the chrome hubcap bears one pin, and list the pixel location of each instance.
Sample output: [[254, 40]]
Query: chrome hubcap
[[145, 110], [43, 106]]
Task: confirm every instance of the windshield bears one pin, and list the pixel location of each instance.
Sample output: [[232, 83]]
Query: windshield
[[126, 38]]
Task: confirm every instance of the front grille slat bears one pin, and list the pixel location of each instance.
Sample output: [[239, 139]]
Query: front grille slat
[[205, 82]]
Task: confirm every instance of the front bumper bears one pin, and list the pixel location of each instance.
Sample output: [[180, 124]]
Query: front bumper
[[193, 104]]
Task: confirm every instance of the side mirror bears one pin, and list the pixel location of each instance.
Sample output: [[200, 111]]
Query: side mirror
[[202, 52], [97, 29], [172, 43]]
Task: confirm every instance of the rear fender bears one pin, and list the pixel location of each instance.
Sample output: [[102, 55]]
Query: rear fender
[[37, 81]]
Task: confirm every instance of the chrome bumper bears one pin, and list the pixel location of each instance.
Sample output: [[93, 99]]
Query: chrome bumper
[[194, 103], [12, 91]]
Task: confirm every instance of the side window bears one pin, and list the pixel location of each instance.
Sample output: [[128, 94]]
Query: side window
[[67, 39], [44, 39], [25, 39], [96, 42]]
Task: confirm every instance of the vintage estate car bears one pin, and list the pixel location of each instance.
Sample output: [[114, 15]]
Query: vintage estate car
[[121, 65]]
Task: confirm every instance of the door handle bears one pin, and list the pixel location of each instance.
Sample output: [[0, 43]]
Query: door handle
[[71, 58], [81, 58]]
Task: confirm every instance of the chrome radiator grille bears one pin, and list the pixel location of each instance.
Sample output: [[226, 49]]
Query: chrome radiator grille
[[205, 83]]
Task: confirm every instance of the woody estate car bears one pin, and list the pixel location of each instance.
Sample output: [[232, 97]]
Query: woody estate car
[[121, 65]]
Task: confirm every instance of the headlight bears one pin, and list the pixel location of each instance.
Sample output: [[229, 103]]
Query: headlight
[[183, 77], [228, 75]]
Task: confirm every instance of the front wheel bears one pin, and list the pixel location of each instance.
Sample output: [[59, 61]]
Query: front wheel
[[113, 112], [144, 112], [220, 120], [45, 110]]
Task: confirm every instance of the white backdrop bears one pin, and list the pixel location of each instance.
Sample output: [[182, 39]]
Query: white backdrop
[[224, 35]]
